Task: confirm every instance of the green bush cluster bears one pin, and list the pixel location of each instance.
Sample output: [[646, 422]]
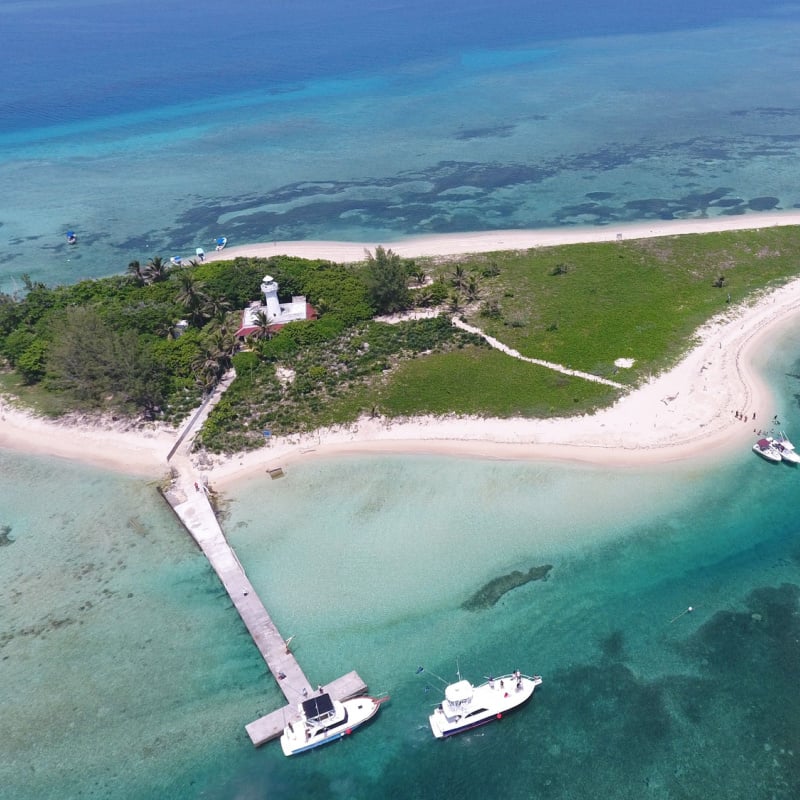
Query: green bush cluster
[[326, 373]]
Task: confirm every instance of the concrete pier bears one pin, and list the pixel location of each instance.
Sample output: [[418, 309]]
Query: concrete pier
[[189, 498]]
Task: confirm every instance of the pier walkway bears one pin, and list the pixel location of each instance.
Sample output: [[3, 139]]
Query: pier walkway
[[189, 498]]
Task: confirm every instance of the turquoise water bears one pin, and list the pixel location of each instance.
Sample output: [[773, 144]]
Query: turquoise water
[[374, 123], [128, 674], [151, 130]]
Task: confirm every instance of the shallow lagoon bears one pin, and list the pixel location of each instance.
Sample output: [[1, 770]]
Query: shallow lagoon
[[128, 673]]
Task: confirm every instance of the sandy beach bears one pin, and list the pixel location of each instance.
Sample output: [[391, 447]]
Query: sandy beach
[[133, 450], [490, 241], [687, 412]]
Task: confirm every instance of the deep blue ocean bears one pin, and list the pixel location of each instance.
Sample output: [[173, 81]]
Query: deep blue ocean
[[152, 127]]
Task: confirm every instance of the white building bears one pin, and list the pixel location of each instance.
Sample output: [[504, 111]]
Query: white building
[[277, 313]]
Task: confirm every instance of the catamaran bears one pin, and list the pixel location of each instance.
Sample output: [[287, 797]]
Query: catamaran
[[787, 450], [767, 451], [466, 706]]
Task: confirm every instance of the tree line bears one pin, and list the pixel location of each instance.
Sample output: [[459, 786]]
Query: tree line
[[115, 343]]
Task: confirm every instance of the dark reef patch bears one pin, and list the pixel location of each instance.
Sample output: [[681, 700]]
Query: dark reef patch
[[613, 646], [497, 131], [489, 594], [5, 536], [441, 197], [763, 203]]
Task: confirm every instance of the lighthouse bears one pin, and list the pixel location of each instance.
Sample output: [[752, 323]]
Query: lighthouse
[[269, 288], [278, 314]]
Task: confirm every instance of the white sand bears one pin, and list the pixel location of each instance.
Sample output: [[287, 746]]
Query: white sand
[[491, 241], [687, 412], [137, 451]]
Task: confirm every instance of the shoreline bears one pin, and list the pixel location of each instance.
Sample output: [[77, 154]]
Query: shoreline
[[687, 412], [140, 451], [453, 244]]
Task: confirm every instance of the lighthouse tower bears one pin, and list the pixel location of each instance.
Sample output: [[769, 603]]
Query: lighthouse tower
[[269, 287]]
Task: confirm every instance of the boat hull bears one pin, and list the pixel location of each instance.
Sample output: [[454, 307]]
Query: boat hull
[[490, 702], [768, 453], [787, 451], [359, 710]]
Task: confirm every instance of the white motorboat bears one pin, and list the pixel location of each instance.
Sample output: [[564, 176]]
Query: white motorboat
[[765, 449], [787, 450], [323, 720], [466, 706]]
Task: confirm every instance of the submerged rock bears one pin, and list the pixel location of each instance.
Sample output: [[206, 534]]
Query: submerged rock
[[5, 538], [489, 594]]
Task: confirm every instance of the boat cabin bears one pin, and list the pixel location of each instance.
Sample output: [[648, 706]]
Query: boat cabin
[[458, 694], [318, 709]]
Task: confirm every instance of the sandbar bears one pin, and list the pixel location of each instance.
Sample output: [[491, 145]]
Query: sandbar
[[452, 244]]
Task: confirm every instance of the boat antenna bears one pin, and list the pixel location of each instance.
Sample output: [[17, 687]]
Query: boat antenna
[[458, 668]]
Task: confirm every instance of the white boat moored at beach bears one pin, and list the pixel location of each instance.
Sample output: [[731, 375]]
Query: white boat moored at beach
[[221, 242], [787, 450], [323, 720], [765, 449], [466, 706]]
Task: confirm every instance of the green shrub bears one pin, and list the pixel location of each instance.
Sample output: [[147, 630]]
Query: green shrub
[[245, 362]]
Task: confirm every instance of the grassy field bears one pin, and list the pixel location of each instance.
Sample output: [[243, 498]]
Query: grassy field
[[487, 383], [585, 306]]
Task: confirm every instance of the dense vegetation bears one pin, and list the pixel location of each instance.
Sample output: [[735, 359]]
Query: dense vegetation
[[113, 344], [154, 341], [310, 375], [116, 343]]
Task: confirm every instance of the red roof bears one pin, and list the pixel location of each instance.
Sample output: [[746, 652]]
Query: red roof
[[249, 330]]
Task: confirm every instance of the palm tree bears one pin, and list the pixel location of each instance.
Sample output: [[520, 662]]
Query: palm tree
[[458, 277], [156, 270], [423, 297], [223, 344], [191, 296], [454, 303], [216, 308], [472, 289], [135, 269], [206, 369], [419, 275], [263, 324]]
